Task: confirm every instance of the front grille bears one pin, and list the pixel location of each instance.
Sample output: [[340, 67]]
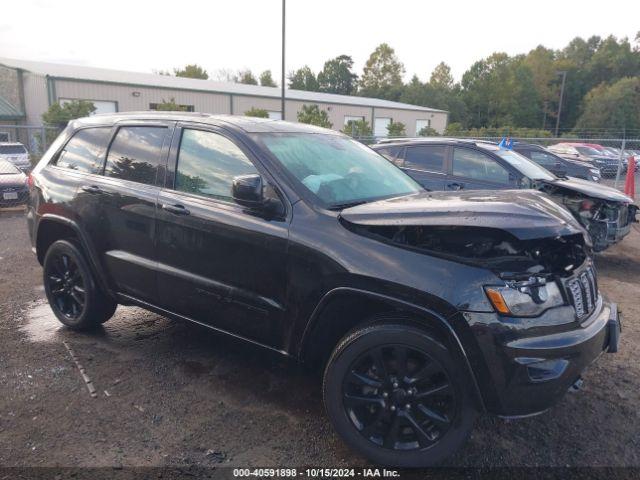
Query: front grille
[[583, 292]]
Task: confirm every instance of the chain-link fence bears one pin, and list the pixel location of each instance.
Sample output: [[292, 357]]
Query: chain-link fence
[[36, 139]]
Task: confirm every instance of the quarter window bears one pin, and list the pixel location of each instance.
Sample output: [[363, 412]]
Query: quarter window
[[82, 152], [207, 163], [135, 154], [478, 166], [430, 158]]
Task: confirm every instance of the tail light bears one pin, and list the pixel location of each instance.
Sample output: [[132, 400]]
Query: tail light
[[29, 181]]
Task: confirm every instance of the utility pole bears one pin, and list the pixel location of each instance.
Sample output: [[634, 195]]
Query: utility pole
[[564, 78], [283, 36]]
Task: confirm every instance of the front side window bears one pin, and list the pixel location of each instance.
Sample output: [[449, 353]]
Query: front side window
[[478, 166], [207, 163], [430, 158], [542, 158], [393, 154], [82, 152], [135, 154], [337, 170]]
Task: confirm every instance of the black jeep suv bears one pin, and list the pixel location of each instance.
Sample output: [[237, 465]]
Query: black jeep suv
[[421, 308]]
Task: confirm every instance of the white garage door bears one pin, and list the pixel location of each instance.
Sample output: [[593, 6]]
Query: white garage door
[[380, 126], [102, 106]]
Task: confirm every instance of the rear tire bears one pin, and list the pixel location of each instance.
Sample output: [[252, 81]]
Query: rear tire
[[71, 289], [397, 396]]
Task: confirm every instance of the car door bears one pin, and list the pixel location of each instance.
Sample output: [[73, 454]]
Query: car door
[[220, 264], [472, 169], [118, 205], [427, 164]]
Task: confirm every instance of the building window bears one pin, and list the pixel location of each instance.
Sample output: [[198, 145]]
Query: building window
[[102, 106], [420, 124], [275, 114], [183, 108], [352, 118]]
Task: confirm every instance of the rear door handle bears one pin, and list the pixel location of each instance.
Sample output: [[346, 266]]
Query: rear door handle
[[175, 209], [455, 186], [91, 189]]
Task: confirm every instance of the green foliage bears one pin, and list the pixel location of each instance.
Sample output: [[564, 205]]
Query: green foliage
[[312, 115], [303, 79], [428, 132], [337, 77], [382, 74], [266, 80], [257, 112], [358, 128], [457, 130], [246, 77], [397, 129], [59, 115], [615, 107], [170, 106], [190, 71]]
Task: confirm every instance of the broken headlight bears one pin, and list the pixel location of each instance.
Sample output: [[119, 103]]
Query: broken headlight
[[525, 299]]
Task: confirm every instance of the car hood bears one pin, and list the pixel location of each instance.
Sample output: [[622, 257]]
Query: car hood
[[526, 214], [591, 189], [13, 180]]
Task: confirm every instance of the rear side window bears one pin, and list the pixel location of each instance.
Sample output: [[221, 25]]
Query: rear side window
[[478, 166], [135, 154], [425, 157], [82, 152], [393, 154], [207, 163]]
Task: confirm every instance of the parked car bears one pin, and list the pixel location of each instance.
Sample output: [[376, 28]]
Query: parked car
[[458, 164], [421, 308], [13, 185], [560, 167], [607, 163], [17, 154]]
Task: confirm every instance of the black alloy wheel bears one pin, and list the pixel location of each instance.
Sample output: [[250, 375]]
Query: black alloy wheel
[[66, 285]]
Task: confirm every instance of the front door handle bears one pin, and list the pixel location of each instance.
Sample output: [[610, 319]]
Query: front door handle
[[93, 189], [175, 209], [455, 186]]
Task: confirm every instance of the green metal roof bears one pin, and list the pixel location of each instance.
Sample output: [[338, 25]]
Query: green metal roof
[[8, 111]]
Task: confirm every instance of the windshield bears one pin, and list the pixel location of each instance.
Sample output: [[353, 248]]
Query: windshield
[[589, 151], [337, 170], [12, 149], [7, 168], [529, 168]]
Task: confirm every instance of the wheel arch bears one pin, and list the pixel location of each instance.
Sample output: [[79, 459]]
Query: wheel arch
[[53, 227], [327, 326]]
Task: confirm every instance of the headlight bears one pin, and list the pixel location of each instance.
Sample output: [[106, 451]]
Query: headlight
[[525, 299], [595, 171]]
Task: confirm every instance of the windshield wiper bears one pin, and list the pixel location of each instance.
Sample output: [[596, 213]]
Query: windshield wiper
[[342, 206]]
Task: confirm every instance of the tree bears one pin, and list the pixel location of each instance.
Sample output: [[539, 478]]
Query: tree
[[358, 128], [312, 115], [60, 115], [428, 132], [382, 74], [246, 77], [337, 77], [441, 77], [303, 79], [397, 129], [266, 80], [614, 107], [191, 71], [170, 106], [257, 112]]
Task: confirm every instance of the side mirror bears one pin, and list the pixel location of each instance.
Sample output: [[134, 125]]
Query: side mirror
[[247, 190]]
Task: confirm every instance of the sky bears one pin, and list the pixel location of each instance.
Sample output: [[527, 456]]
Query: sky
[[156, 35]]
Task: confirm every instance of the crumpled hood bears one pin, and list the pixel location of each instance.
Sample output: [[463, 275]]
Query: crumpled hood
[[591, 189], [526, 214]]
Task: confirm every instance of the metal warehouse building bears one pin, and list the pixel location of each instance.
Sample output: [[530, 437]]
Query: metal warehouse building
[[27, 89]]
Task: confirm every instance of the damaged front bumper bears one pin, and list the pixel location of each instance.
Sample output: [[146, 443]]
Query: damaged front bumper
[[531, 364], [606, 233]]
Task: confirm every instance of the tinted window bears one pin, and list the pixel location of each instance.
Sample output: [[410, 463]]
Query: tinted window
[[542, 158], [207, 163], [135, 154], [392, 154], [425, 157], [478, 166], [82, 152]]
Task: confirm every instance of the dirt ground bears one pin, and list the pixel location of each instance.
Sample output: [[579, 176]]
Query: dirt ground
[[173, 394]]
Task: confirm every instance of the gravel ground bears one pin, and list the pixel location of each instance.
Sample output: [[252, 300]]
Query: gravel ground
[[172, 394]]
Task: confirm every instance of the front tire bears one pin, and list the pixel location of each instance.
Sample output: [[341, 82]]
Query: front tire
[[396, 396], [72, 291]]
